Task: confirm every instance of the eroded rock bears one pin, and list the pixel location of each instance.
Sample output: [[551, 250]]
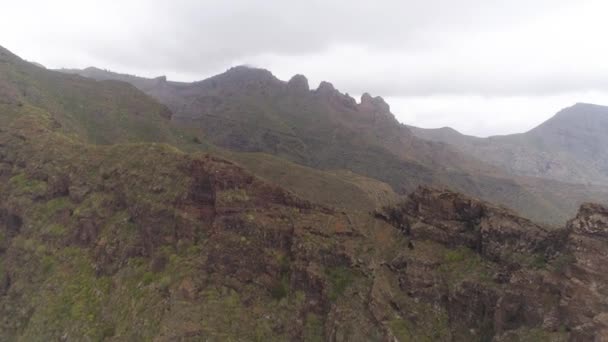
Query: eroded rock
[[544, 280]]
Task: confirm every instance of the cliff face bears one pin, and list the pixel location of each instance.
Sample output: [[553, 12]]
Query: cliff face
[[144, 242], [585, 291], [519, 280]]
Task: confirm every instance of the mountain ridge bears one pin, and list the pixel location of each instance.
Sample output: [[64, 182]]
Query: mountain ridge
[[250, 110], [567, 147]]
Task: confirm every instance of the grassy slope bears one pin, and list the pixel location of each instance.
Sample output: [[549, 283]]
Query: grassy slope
[[81, 263], [112, 243], [108, 112], [339, 189], [140, 241], [117, 243], [99, 112]]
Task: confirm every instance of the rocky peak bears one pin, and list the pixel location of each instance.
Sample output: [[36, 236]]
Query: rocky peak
[[581, 118], [374, 104], [298, 84], [592, 219], [327, 91], [326, 88], [247, 75]]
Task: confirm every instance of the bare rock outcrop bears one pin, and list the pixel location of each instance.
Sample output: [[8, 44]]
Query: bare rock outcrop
[[298, 84], [584, 304], [549, 282]]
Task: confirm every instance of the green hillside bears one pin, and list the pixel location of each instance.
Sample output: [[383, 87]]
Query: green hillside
[[115, 233], [110, 112]]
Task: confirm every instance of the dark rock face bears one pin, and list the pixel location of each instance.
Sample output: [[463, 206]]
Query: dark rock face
[[298, 84], [326, 88], [585, 292], [592, 220], [193, 232], [374, 104], [551, 280], [453, 219]]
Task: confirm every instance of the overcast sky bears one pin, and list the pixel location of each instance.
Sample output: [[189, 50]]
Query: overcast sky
[[482, 67]]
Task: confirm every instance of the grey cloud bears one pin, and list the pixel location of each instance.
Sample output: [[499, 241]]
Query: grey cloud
[[493, 85], [199, 36]]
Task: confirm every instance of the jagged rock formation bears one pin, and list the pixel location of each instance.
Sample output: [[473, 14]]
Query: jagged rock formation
[[532, 283], [299, 84], [374, 104]]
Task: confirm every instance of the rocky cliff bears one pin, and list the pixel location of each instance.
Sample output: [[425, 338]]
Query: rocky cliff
[[194, 247], [503, 277], [162, 245]]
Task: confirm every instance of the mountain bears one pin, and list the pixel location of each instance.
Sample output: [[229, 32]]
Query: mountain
[[250, 110], [569, 147], [143, 242], [100, 112], [110, 112], [169, 239]]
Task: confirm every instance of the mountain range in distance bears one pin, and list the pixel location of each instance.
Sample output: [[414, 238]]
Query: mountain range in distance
[[246, 208], [541, 174], [568, 147]]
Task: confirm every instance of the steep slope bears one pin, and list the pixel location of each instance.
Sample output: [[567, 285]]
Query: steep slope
[[109, 112], [247, 109], [141, 241], [570, 147], [504, 278], [99, 112]]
